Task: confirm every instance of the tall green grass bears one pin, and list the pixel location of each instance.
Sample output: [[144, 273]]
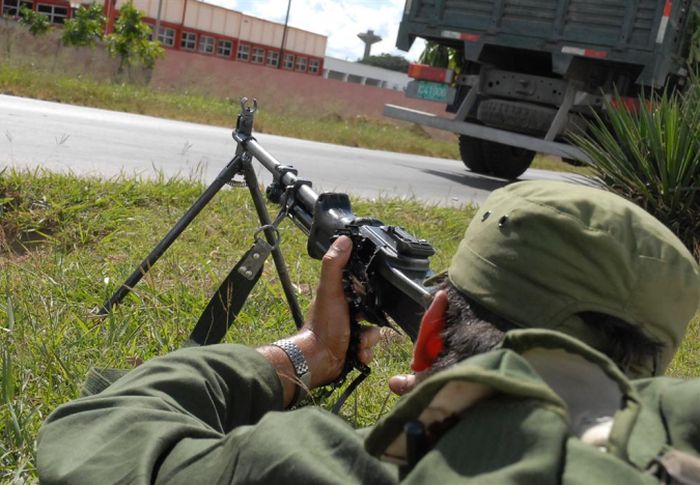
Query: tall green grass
[[66, 244]]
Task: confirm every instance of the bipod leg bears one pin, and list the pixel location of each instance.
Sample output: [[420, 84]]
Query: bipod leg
[[252, 182], [225, 176]]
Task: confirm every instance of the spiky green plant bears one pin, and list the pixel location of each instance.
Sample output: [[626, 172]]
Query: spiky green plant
[[651, 156]]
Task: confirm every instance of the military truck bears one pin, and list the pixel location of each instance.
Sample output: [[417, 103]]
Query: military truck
[[531, 70]]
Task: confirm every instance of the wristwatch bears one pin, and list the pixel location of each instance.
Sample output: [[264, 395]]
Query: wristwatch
[[301, 368]]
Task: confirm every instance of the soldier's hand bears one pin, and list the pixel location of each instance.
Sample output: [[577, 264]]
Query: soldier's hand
[[328, 321], [325, 336], [402, 384]]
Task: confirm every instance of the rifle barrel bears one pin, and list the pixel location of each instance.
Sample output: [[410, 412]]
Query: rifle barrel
[[305, 194]]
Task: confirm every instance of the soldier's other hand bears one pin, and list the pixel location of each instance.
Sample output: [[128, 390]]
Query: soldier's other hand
[[402, 384]]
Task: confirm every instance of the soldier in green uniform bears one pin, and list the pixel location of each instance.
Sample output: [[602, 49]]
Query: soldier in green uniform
[[539, 361]]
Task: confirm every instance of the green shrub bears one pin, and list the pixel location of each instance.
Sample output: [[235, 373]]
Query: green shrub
[[651, 156], [86, 27], [130, 39], [37, 23]]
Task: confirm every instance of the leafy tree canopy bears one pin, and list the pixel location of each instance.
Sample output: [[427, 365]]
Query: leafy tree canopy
[[86, 27], [437, 55], [387, 61], [130, 40], [37, 23]]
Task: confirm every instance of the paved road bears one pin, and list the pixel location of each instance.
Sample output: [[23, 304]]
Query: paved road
[[90, 141]]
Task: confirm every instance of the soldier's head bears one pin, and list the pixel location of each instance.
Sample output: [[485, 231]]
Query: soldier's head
[[569, 258]]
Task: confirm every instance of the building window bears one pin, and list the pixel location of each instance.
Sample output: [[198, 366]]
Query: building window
[[243, 52], [258, 56], [314, 66], [206, 44], [188, 41], [289, 61], [224, 48], [55, 14], [11, 7], [273, 58], [301, 64], [166, 36]]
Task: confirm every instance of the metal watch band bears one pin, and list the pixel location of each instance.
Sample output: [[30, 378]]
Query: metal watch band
[[301, 367]]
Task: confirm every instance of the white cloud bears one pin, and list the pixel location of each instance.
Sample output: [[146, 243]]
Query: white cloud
[[339, 20]]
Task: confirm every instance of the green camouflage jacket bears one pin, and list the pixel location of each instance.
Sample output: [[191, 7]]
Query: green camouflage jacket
[[542, 409]]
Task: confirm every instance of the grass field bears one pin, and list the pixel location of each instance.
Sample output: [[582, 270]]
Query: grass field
[[357, 131], [67, 243]]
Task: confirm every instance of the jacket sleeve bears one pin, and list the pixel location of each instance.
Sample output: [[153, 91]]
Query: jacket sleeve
[[125, 434]]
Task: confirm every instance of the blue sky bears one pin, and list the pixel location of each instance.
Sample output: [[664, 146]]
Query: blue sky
[[339, 20]]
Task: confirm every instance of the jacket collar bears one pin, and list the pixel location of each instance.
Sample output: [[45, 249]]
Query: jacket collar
[[577, 382]]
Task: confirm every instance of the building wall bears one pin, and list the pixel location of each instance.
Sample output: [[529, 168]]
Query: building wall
[[356, 72], [216, 32], [56, 10], [278, 90], [246, 38]]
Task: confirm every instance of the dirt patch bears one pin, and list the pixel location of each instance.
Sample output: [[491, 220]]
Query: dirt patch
[[15, 241], [19, 243]]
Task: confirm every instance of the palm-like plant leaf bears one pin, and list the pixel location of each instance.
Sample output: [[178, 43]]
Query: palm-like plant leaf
[[652, 156]]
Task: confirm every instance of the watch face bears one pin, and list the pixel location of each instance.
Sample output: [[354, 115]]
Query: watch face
[[296, 356]]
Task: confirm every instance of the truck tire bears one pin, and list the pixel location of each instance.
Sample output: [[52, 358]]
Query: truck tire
[[515, 115], [507, 161], [472, 152]]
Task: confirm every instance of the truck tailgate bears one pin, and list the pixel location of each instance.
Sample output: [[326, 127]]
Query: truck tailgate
[[612, 24]]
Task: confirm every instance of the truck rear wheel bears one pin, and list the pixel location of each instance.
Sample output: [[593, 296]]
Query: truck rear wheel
[[507, 161], [491, 158], [472, 152]]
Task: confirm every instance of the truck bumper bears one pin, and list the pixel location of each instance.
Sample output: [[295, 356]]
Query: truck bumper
[[484, 132]]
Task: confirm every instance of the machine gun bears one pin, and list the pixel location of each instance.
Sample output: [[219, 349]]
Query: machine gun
[[382, 281]]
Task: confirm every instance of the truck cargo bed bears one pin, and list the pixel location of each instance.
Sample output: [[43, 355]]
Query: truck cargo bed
[[638, 32]]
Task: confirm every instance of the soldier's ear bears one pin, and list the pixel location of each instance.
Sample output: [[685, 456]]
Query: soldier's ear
[[430, 343]]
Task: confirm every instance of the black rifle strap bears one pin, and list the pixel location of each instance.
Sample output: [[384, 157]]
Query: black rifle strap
[[228, 300], [349, 390]]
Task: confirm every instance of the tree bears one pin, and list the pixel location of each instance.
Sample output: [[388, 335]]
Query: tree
[[130, 40], [85, 28], [438, 55], [37, 23], [387, 61]]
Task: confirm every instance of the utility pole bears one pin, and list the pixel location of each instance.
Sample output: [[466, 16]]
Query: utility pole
[[284, 35], [160, 5]]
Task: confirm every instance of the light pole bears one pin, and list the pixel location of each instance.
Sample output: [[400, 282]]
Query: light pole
[[284, 35], [160, 5]]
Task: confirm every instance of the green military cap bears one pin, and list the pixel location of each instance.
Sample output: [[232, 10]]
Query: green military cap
[[538, 253]]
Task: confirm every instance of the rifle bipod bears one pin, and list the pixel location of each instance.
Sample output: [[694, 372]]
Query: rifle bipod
[[387, 264]]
